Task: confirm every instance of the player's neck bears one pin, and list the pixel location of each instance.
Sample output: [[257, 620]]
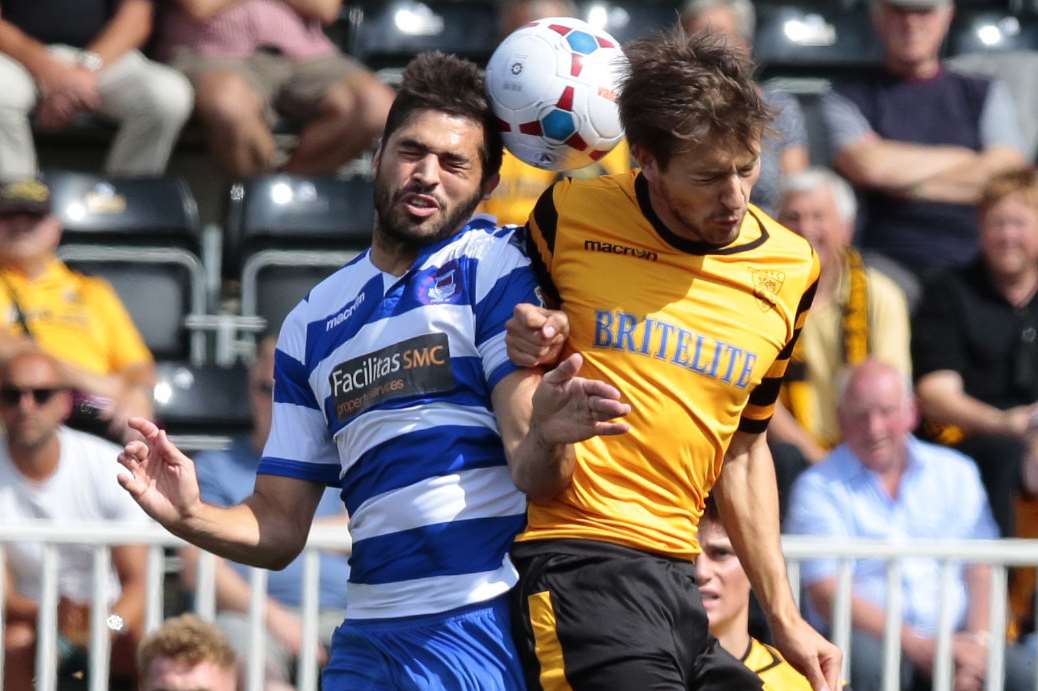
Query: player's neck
[[37, 462], [391, 256], [735, 636]]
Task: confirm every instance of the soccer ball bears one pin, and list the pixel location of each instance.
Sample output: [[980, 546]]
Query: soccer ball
[[552, 85]]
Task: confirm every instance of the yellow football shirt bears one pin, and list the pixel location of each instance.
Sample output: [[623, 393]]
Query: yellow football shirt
[[696, 338], [777, 674], [76, 318], [521, 184]]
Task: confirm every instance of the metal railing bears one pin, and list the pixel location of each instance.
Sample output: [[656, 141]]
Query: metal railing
[[1000, 554]]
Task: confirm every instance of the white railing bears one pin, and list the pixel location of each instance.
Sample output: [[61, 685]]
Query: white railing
[[102, 536], [1000, 554]]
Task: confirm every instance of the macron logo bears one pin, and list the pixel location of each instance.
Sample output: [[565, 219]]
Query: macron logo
[[345, 314], [611, 248]]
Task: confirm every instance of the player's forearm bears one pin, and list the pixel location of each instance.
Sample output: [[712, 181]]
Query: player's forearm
[[541, 470], [253, 532], [748, 501]]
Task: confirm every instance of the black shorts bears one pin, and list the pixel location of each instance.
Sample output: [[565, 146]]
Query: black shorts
[[590, 615]]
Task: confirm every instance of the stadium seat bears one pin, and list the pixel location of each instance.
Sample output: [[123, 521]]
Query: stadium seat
[[992, 30], [814, 39], [285, 233], [141, 234], [202, 406], [629, 20], [388, 34]]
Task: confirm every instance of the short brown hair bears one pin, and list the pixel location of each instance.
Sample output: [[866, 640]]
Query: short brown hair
[[448, 84], [1021, 180], [188, 640], [679, 91]]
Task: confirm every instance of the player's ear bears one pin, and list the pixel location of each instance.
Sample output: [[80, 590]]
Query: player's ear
[[490, 185], [376, 157], [646, 161]]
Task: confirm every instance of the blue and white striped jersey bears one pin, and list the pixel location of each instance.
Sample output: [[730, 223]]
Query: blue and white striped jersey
[[383, 384]]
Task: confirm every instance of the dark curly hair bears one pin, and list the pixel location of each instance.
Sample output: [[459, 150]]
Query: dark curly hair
[[679, 91], [448, 84]]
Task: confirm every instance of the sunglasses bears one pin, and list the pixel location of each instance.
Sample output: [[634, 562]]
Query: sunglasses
[[12, 395]]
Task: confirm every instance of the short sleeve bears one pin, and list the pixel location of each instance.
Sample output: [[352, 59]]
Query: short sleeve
[[761, 405], [815, 511], [126, 345], [938, 342], [542, 228], [844, 121], [999, 125], [504, 279], [299, 444]]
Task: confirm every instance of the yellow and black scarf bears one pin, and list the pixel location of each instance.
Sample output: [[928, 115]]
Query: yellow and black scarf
[[797, 392]]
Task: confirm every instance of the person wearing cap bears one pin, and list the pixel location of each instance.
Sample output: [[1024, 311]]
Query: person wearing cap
[[919, 140], [77, 319], [62, 58]]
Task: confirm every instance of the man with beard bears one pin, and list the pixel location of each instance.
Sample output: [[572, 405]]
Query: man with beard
[[392, 381]]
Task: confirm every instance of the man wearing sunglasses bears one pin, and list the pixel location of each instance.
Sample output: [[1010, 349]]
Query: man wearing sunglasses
[[50, 472], [78, 319]]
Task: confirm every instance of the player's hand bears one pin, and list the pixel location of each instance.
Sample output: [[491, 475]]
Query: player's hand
[[534, 335], [568, 408], [810, 654], [162, 479]]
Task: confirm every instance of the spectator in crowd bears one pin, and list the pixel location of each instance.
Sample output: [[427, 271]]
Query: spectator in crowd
[[252, 59], [61, 58], [920, 141], [975, 350], [858, 313], [725, 589], [784, 149], [77, 319], [52, 473], [882, 483], [521, 184], [187, 654], [226, 478]]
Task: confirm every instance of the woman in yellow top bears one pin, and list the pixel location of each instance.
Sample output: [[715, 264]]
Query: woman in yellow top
[[725, 590]]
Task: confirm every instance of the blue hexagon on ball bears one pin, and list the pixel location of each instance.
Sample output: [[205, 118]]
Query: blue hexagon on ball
[[582, 42], [558, 125]]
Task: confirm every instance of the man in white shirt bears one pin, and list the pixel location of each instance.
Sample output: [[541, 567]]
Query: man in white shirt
[[49, 472]]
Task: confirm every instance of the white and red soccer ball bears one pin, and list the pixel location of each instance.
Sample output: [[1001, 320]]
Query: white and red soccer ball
[[553, 85]]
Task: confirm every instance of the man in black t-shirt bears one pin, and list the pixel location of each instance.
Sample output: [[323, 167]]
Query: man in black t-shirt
[[60, 58], [975, 346]]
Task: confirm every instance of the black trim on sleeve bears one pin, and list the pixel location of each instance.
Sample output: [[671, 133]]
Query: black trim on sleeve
[[766, 392], [787, 351], [807, 298], [751, 426], [547, 217]]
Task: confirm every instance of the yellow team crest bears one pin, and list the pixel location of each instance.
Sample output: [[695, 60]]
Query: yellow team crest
[[766, 287]]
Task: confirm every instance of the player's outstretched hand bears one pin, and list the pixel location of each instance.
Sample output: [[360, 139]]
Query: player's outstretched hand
[[162, 479], [568, 408], [534, 335], [810, 654]]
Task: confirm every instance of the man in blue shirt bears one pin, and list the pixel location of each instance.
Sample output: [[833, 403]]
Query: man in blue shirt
[[392, 381], [884, 484], [226, 478]]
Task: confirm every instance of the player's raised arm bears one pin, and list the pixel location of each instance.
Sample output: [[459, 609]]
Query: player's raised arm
[[748, 502], [268, 529], [540, 417]]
